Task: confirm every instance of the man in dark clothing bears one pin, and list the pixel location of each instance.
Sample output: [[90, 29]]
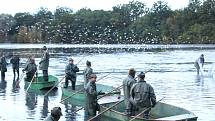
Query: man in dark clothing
[[87, 72], [127, 84], [15, 65], [199, 63], [30, 69], [71, 75], [55, 114], [142, 96], [44, 63], [91, 104], [3, 67]]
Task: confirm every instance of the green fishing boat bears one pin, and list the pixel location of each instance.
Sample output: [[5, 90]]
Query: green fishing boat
[[161, 112], [39, 84], [77, 97]]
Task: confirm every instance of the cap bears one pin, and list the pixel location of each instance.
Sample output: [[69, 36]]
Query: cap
[[92, 75], [70, 59], [56, 111], [44, 48], [141, 75]]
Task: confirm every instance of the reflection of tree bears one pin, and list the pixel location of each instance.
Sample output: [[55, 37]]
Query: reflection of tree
[[31, 100], [45, 107]]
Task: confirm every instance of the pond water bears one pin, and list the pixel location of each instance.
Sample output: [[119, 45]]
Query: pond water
[[172, 75]]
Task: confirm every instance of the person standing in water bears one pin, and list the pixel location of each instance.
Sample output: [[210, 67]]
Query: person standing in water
[[87, 72], [44, 63], [3, 67], [15, 65], [199, 63]]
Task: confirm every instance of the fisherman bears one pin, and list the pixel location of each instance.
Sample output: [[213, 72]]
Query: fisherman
[[71, 75], [87, 72], [44, 63], [55, 114], [142, 96], [15, 64], [91, 104], [127, 84], [199, 63], [3, 67], [31, 69]]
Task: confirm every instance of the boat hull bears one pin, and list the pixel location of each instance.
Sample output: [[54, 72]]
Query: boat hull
[[161, 112], [39, 83]]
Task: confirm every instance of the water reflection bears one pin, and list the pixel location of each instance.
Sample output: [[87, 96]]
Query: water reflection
[[70, 111], [3, 85], [31, 100], [200, 80], [15, 85], [45, 107]]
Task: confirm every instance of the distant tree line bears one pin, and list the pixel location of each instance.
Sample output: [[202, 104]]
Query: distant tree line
[[131, 23]]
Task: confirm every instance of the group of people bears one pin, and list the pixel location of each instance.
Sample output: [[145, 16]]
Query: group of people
[[30, 67]]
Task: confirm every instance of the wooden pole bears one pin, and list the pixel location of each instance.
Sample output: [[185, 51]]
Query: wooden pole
[[54, 86], [31, 81], [144, 110]]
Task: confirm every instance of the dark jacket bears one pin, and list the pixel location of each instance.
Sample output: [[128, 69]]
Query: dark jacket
[[91, 98], [15, 62], [30, 68], [71, 70], [142, 95], [3, 64]]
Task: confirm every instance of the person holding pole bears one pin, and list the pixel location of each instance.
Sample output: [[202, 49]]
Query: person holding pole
[[44, 63], [127, 84], [87, 72], [71, 75], [91, 104], [30, 69], [199, 63], [142, 96]]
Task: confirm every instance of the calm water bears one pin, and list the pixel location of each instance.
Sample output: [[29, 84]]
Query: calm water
[[173, 76]]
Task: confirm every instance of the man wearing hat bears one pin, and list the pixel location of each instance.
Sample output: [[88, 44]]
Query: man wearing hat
[[91, 104], [142, 96], [87, 72], [127, 84], [199, 63], [44, 63], [71, 75], [31, 69], [55, 114]]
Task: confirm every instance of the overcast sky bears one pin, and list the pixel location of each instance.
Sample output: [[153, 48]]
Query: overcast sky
[[32, 6]]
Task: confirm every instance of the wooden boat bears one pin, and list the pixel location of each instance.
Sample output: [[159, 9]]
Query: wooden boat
[[161, 112], [39, 83], [77, 97]]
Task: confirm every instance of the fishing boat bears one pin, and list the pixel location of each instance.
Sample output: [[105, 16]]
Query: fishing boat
[[77, 97], [38, 83], [161, 112]]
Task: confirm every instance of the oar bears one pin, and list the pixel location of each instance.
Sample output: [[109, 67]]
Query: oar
[[145, 110], [81, 89], [80, 60], [18, 81], [54, 87], [91, 119]]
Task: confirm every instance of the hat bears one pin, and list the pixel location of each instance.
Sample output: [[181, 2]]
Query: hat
[[70, 59], [56, 111], [92, 75], [141, 75], [44, 48]]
